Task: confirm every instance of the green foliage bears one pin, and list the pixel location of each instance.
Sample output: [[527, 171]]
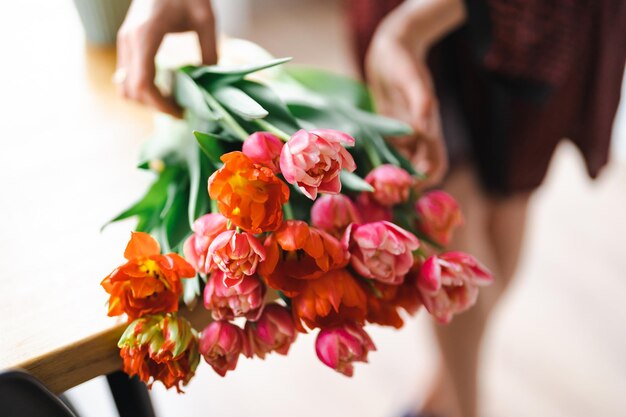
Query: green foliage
[[222, 108], [344, 89]]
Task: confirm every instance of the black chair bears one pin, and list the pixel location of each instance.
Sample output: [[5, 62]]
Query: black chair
[[22, 395], [131, 395]]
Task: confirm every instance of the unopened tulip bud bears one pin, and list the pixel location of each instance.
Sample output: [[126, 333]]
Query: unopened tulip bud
[[392, 184]]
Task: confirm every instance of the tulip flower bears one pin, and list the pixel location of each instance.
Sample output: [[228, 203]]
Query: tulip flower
[[242, 300], [448, 284], [370, 211], [313, 160], [249, 195], [340, 347], [439, 215], [333, 299], [391, 184], [384, 301], [196, 247], [380, 250], [263, 148], [274, 331], [220, 345], [160, 348], [236, 254], [333, 214], [149, 282], [297, 252]]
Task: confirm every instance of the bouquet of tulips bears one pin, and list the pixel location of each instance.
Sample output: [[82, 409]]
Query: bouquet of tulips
[[279, 204]]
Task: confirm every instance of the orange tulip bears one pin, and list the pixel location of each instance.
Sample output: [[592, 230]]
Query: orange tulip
[[297, 252], [385, 300], [149, 282], [334, 299], [249, 195], [160, 348]]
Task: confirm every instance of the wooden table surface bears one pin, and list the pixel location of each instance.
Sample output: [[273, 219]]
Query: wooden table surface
[[69, 146]]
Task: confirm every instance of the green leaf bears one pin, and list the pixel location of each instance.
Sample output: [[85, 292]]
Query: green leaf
[[354, 182], [323, 117], [174, 214], [168, 143], [198, 196], [153, 201], [406, 164], [279, 115], [239, 102], [385, 126], [189, 96], [334, 86], [213, 76], [211, 146]]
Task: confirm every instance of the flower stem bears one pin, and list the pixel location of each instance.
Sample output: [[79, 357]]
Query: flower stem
[[214, 208], [281, 134], [226, 117], [288, 211], [373, 156]]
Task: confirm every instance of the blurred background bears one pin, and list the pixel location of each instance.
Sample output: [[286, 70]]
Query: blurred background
[[557, 346]]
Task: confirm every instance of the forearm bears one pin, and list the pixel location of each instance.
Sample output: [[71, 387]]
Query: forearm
[[421, 23]]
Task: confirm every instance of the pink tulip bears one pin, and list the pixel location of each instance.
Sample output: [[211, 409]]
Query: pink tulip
[[242, 300], [380, 250], [220, 345], [448, 284], [339, 347], [313, 160], [196, 247], [237, 254], [274, 331], [391, 184], [439, 215], [333, 213], [264, 149], [370, 211]]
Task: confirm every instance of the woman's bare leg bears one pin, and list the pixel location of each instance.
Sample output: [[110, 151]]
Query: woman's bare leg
[[493, 232]]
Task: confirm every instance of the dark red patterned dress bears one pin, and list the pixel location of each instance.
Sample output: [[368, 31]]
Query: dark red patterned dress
[[519, 76]]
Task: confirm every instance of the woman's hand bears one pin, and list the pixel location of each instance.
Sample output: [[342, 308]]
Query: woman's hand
[[402, 88], [140, 36], [400, 80]]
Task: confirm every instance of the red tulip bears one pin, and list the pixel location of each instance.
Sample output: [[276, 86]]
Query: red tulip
[[313, 160], [439, 215], [339, 347], [392, 184], [448, 284], [274, 331], [380, 250], [333, 213], [205, 229], [236, 254], [242, 300], [264, 149], [220, 345]]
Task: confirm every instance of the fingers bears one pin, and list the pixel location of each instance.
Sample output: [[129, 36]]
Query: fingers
[[137, 48], [207, 39], [431, 158]]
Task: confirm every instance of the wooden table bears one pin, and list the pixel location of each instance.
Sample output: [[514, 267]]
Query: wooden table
[[67, 164]]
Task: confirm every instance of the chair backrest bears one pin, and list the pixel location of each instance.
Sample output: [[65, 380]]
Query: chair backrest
[[22, 395]]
